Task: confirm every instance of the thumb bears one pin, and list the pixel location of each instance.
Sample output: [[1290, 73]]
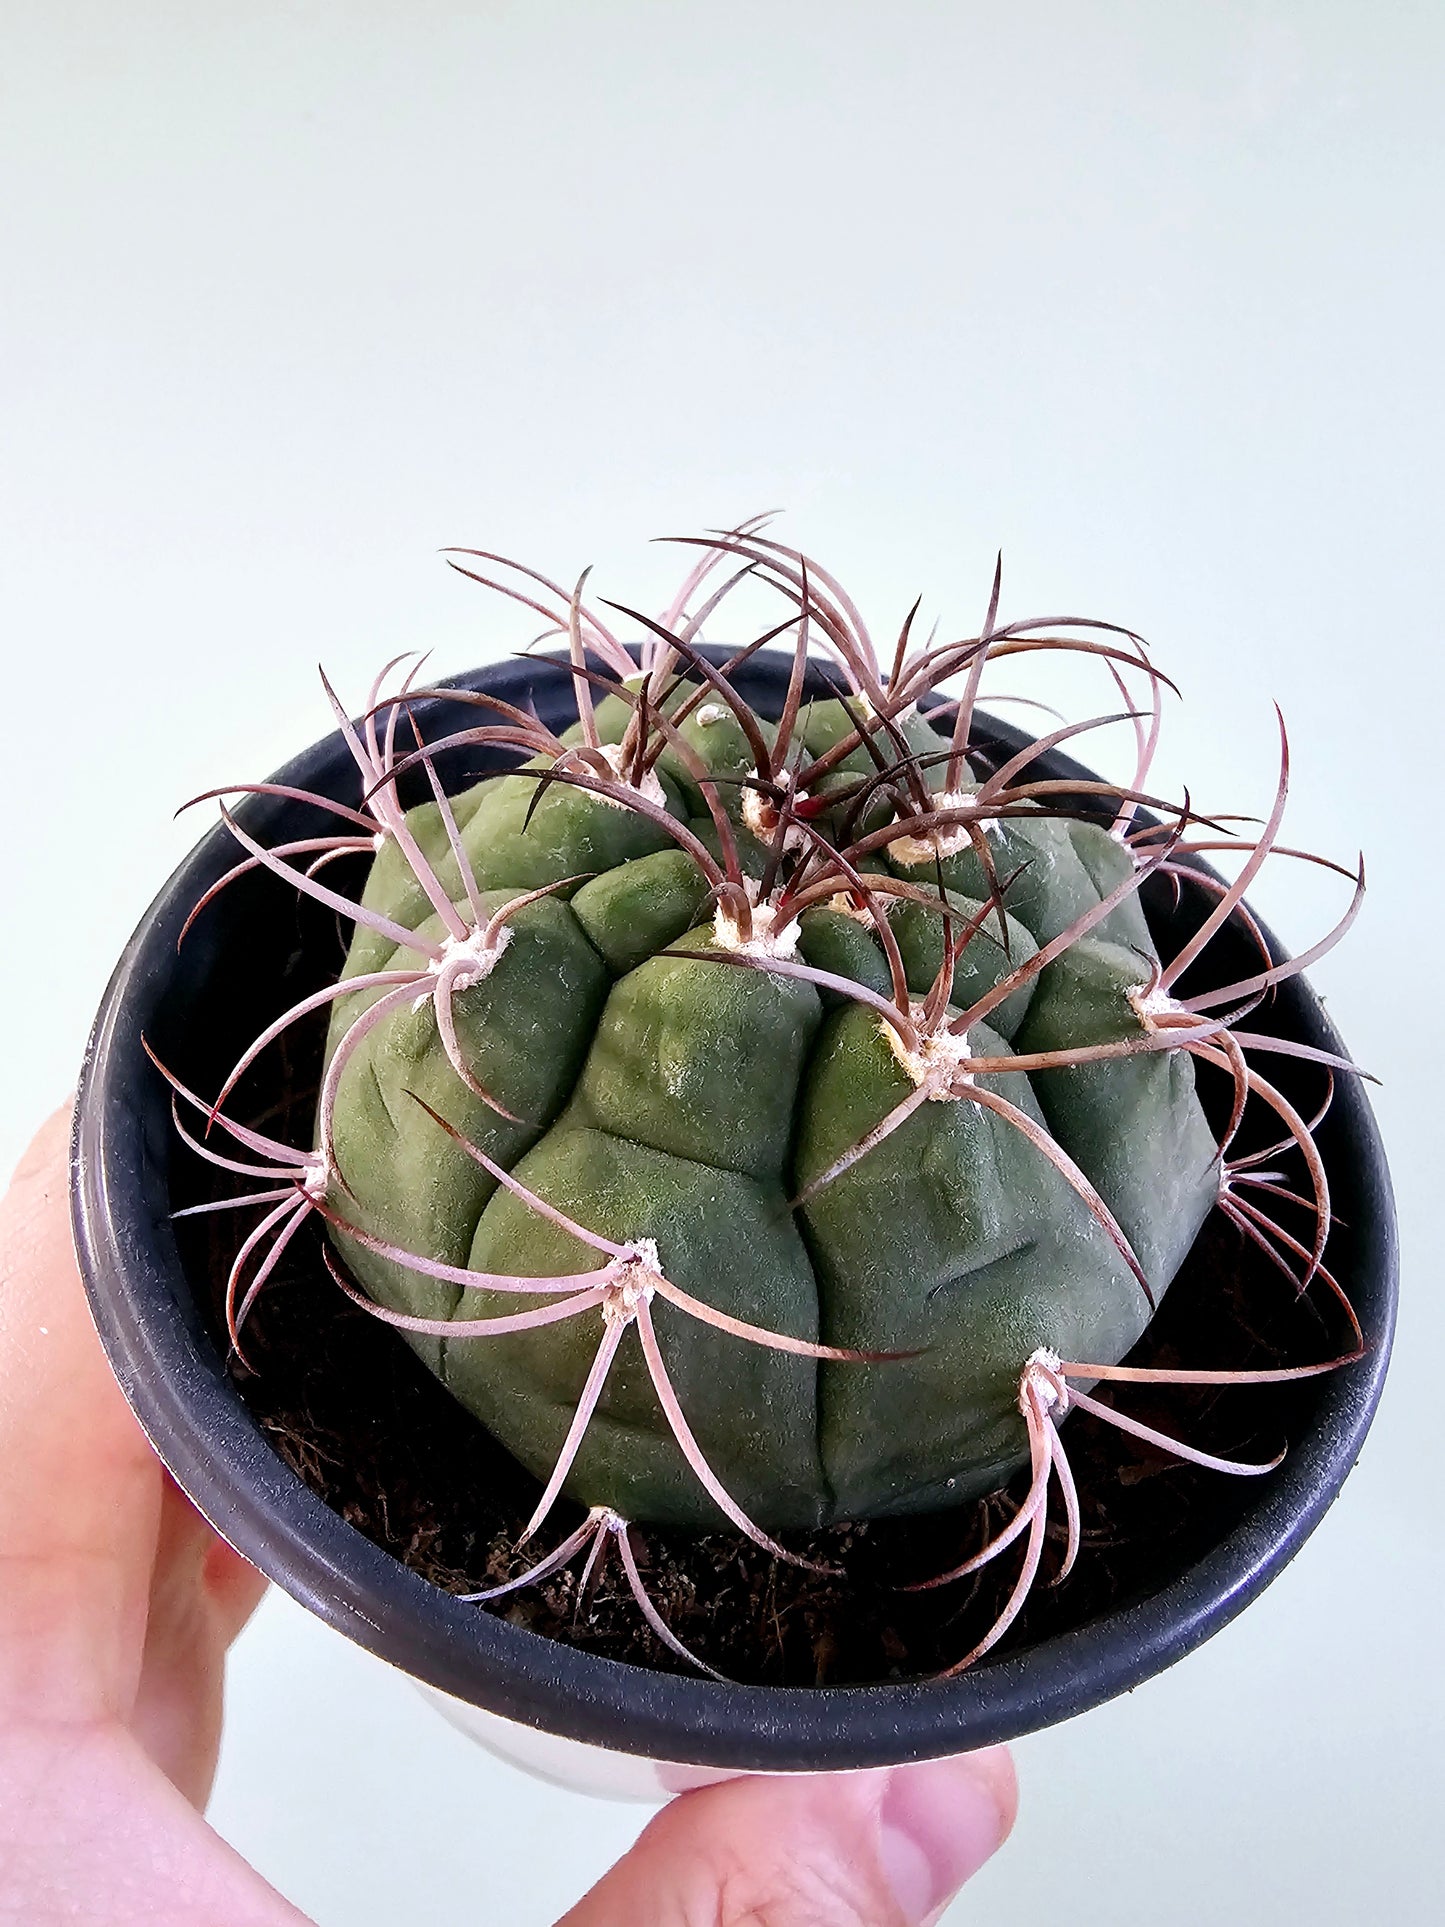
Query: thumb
[[875, 1849]]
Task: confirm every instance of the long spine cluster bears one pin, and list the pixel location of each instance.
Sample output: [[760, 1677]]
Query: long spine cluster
[[930, 802]]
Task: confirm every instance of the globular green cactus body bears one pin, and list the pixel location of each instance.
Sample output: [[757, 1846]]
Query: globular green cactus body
[[684, 1100]]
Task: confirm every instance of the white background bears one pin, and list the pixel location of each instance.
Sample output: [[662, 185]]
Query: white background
[[1148, 295]]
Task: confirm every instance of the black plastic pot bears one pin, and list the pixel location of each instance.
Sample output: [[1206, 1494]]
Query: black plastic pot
[[150, 1317]]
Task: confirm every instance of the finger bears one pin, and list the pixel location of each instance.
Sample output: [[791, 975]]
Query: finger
[[233, 1584], [851, 1850], [202, 1593], [91, 1832], [81, 1496], [89, 1828]]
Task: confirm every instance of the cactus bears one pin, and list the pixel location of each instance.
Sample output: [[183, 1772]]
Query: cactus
[[772, 1120]]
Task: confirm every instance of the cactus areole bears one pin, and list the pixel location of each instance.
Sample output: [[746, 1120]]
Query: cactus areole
[[774, 1120]]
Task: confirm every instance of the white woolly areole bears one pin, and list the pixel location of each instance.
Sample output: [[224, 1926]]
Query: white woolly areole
[[650, 788], [770, 937], [1149, 1005], [611, 753], [842, 902], [711, 713], [466, 960], [634, 1284], [948, 841], [1043, 1378], [761, 813], [934, 1064]]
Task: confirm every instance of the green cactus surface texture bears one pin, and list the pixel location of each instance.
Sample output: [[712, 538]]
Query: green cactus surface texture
[[653, 1094], [779, 1116]]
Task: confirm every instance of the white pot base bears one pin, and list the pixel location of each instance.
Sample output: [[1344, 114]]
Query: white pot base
[[573, 1764]]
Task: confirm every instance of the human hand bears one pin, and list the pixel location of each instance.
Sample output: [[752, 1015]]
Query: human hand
[[117, 1605]]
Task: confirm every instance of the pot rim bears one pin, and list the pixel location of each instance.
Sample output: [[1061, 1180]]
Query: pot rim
[[172, 1376]]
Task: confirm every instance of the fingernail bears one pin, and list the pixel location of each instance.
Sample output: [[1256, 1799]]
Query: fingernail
[[939, 1823]]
